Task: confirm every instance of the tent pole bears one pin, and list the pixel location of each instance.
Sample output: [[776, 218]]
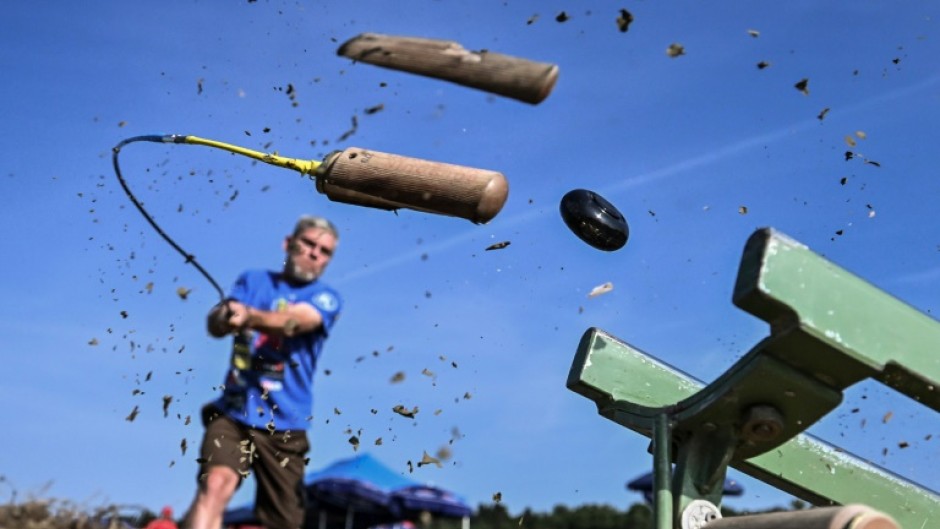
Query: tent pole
[[465, 522], [349, 518], [322, 519]]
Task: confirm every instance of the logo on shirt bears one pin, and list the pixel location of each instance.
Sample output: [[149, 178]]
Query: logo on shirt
[[271, 385], [326, 301]]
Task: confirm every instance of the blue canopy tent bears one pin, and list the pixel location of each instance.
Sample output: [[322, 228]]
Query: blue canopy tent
[[362, 492], [417, 498], [240, 517], [359, 487], [644, 485]]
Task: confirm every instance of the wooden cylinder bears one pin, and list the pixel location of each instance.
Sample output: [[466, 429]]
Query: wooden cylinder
[[388, 181], [509, 76], [845, 517]]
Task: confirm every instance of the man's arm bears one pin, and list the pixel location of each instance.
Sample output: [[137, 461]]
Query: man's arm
[[298, 318]]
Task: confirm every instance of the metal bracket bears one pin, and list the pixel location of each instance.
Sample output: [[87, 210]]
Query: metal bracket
[[828, 330]]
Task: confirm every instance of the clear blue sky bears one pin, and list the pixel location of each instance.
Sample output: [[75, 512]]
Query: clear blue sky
[[680, 145]]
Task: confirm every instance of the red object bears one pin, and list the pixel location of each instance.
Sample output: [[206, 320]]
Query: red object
[[161, 523], [165, 521]]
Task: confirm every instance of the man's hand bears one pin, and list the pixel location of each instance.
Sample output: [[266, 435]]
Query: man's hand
[[239, 314], [227, 317]]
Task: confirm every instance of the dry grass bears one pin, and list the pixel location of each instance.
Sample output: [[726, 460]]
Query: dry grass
[[52, 514]]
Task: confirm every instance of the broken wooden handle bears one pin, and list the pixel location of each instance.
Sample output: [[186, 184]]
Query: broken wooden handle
[[388, 181], [505, 75], [845, 517]]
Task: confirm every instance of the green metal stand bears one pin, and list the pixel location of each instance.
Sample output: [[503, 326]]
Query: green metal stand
[[828, 330]]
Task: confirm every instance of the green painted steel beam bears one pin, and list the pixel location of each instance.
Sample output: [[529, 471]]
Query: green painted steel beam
[[863, 332], [828, 330], [621, 379]]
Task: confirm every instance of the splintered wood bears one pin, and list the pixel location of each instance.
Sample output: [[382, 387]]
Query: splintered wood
[[505, 75]]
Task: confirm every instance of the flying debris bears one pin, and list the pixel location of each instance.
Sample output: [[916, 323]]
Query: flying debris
[[601, 289], [624, 20], [803, 86], [675, 49]]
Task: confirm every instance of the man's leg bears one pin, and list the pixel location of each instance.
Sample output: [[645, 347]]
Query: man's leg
[[279, 472], [224, 457], [214, 493]]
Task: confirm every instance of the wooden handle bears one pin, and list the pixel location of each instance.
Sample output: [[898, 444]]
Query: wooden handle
[[514, 77], [845, 517], [388, 181]]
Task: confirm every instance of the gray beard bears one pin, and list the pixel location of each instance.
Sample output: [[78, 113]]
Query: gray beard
[[293, 272]]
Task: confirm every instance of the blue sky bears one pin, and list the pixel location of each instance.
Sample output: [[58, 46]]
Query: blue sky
[[679, 145]]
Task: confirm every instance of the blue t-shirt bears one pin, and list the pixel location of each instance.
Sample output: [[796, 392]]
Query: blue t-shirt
[[269, 384]]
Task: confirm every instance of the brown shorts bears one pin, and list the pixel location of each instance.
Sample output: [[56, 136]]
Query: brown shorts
[[276, 460]]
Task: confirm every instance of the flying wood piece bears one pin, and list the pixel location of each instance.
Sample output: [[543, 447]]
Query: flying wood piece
[[514, 77], [854, 516]]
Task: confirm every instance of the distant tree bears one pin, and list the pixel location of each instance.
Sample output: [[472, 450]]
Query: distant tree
[[589, 516], [491, 516], [146, 516], [639, 515], [798, 505], [562, 517]]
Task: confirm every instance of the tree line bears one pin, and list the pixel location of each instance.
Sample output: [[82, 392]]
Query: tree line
[[588, 516]]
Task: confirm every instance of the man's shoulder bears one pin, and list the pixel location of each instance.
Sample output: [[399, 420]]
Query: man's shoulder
[[320, 285], [260, 273], [257, 276], [323, 296]]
